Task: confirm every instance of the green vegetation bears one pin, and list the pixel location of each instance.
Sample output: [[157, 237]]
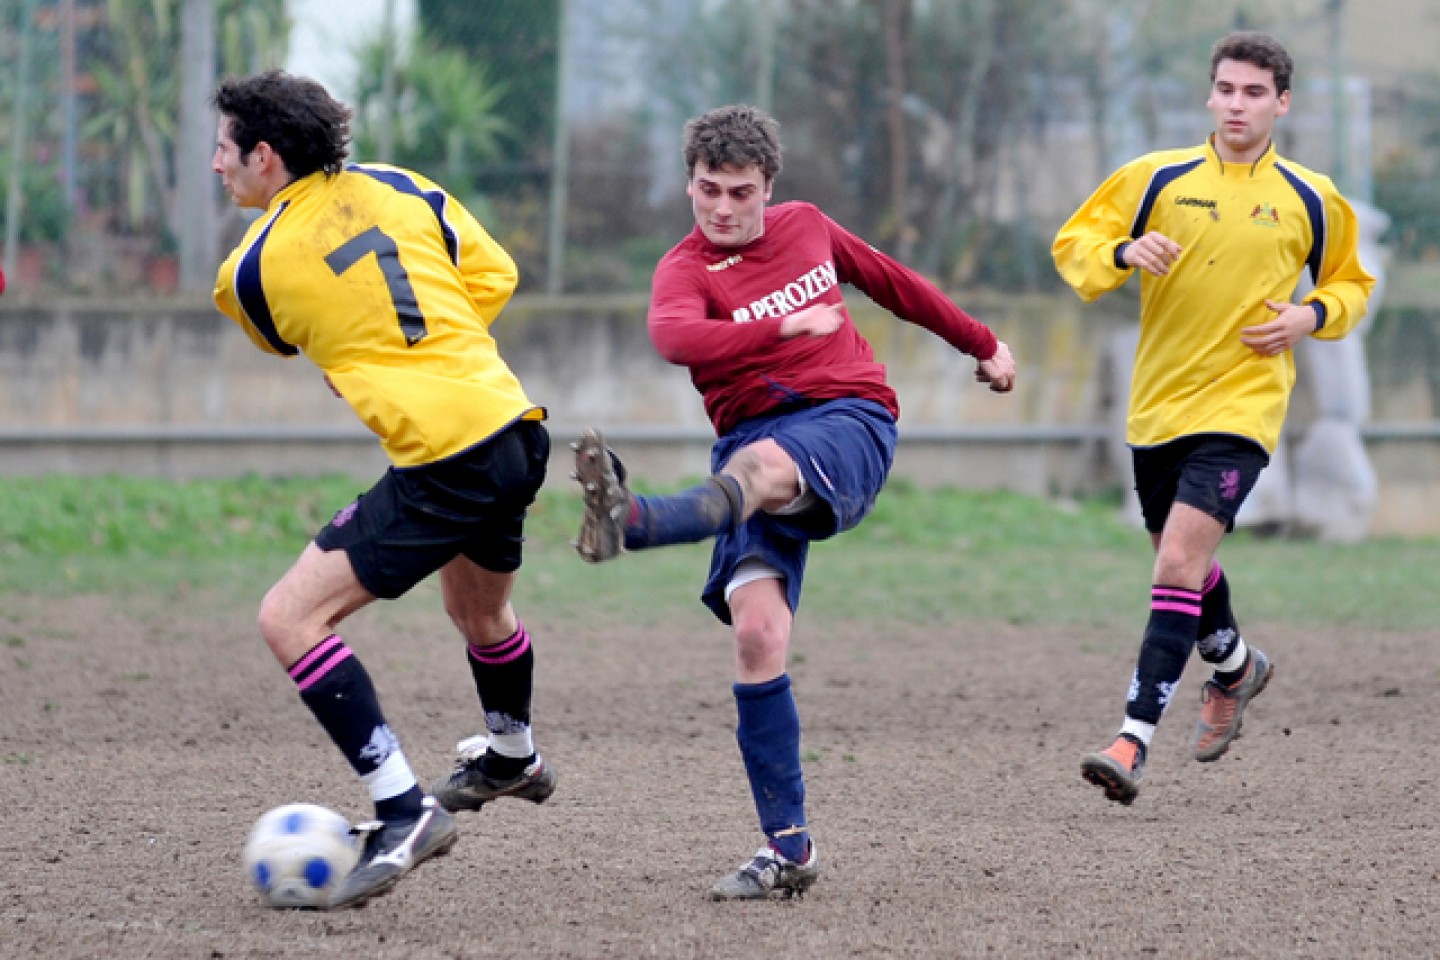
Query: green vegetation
[[920, 558]]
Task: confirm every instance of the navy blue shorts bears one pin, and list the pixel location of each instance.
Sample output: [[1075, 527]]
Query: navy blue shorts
[[1212, 472], [844, 449], [417, 519]]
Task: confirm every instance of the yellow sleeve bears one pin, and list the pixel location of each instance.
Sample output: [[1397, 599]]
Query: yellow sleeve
[[229, 305], [488, 271], [1084, 249], [1343, 285]]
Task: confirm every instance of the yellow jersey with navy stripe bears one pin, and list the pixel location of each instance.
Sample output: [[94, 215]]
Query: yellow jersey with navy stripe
[[1247, 232], [389, 286]]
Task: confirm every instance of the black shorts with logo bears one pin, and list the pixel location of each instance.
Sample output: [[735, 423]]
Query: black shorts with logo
[[417, 519], [1212, 472]]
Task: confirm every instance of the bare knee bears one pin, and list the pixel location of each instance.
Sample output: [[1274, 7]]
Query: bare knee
[[1177, 568], [278, 625], [761, 642], [481, 627], [766, 473]]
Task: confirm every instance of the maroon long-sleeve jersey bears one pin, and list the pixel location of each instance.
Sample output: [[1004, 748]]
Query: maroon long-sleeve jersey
[[717, 311]]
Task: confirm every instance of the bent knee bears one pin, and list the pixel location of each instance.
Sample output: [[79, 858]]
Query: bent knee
[[766, 471], [760, 639], [482, 630]]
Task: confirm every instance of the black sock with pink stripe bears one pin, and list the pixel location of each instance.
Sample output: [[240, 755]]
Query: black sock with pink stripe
[[337, 689], [1169, 638], [504, 679], [1219, 633]]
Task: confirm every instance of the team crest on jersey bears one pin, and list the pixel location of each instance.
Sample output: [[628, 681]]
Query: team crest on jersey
[[1265, 215]]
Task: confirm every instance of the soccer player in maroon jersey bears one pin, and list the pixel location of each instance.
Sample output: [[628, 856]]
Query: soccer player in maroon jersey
[[750, 302]]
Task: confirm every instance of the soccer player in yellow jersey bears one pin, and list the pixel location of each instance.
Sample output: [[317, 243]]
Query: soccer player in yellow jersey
[[389, 286], [1221, 234]]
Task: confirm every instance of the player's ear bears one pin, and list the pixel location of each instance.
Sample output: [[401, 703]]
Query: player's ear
[[1284, 102]]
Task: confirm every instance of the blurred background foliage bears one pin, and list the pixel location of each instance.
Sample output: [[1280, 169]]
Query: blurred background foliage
[[952, 133]]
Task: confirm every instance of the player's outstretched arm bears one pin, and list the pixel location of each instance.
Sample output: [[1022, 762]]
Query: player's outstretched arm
[[998, 371]]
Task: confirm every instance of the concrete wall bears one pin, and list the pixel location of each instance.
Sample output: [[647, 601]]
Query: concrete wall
[[171, 388]]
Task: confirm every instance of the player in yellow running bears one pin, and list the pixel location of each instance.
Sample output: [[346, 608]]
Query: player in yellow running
[[389, 286], [1221, 233]]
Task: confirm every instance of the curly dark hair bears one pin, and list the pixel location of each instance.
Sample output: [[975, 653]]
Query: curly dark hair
[[1258, 49], [738, 135], [307, 127]]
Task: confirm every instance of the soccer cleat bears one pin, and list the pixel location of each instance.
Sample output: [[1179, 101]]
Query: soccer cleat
[[468, 788], [769, 873], [1221, 707], [1117, 769], [607, 501], [393, 850]]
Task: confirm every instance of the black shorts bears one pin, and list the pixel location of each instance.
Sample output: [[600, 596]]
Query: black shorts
[[417, 519], [1212, 472]]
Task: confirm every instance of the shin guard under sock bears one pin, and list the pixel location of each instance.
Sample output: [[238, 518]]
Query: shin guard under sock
[[689, 516], [338, 691], [504, 680], [1169, 638], [1219, 634], [769, 736]]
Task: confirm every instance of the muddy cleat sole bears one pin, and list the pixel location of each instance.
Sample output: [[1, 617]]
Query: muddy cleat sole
[[607, 503], [1222, 708], [1117, 769], [393, 850], [468, 788], [768, 874]]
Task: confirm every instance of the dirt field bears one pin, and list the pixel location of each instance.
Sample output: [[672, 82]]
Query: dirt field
[[138, 747]]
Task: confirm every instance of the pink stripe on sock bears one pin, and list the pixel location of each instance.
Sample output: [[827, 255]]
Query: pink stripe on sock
[[1213, 579], [316, 652], [1192, 609], [506, 650], [342, 654]]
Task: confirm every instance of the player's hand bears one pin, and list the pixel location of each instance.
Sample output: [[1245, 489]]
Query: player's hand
[[1154, 253], [817, 320], [1293, 323], [998, 371]]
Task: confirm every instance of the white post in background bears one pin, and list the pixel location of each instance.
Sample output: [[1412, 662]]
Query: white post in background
[[386, 145], [560, 173], [199, 242], [14, 195]]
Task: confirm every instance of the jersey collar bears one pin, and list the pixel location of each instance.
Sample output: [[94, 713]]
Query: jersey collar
[[1244, 171]]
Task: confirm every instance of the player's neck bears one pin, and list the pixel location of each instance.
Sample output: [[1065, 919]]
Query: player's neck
[[1240, 157]]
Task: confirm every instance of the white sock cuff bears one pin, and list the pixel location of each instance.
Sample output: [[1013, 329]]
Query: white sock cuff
[[517, 746], [392, 778], [1138, 729], [1236, 660]]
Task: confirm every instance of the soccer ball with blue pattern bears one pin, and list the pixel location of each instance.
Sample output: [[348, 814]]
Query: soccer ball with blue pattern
[[298, 854]]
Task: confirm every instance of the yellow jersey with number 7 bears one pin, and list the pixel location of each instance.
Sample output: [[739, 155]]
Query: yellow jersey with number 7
[[389, 286]]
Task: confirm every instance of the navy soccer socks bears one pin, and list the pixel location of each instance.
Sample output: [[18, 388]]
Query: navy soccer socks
[[769, 736], [689, 516], [338, 691]]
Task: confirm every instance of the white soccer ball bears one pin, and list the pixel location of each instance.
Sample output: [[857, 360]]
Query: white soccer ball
[[298, 854]]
